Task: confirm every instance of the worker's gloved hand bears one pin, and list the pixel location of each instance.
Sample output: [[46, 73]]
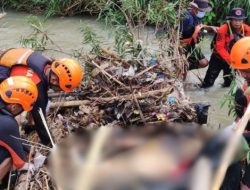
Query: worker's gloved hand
[[39, 161], [240, 102], [28, 167], [28, 129]]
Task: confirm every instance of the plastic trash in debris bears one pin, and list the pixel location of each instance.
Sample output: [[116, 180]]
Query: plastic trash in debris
[[153, 62], [160, 77], [171, 100], [161, 117], [130, 72]]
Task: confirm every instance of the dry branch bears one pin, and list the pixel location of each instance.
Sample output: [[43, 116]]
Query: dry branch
[[130, 96], [107, 74], [115, 56]]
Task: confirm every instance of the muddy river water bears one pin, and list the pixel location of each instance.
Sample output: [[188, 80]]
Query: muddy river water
[[66, 33]]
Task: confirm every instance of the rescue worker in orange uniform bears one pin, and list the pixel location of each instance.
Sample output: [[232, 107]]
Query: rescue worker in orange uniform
[[59, 74], [16, 94], [190, 29], [229, 33], [240, 60]]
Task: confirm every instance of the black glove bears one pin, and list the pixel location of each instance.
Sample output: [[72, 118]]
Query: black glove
[[28, 129], [240, 102]]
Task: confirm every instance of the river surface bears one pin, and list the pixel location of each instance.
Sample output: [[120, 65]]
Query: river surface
[[66, 33]]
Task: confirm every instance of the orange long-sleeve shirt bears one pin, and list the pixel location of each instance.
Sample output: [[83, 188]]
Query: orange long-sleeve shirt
[[225, 40]]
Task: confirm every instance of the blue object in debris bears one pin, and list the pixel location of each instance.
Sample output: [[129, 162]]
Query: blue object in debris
[[171, 100], [160, 76], [153, 62]]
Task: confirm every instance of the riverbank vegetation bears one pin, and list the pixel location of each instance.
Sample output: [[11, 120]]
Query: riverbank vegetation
[[222, 8], [150, 11]]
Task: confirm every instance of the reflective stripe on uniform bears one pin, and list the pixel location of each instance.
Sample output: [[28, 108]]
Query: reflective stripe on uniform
[[20, 60], [15, 56]]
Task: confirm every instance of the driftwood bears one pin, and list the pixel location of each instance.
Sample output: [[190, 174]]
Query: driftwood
[[130, 96], [59, 94], [69, 103], [110, 99], [145, 97], [107, 74], [144, 71], [115, 56]]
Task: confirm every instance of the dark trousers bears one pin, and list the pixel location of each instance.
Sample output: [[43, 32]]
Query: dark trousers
[[232, 178], [216, 64], [194, 54]]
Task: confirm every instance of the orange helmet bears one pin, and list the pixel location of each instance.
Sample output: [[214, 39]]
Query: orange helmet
[[19, 90], [240, 54], [69, 72]]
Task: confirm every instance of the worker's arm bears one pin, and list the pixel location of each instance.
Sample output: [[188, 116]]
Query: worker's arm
[[247, 30], [4, 73], [213, 28], [240, 102], [9, 133], [41, 102]]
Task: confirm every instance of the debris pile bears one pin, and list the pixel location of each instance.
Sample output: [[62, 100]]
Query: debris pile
[[131, 92]]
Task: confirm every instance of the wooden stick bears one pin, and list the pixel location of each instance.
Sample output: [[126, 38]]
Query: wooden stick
[[144, 71], [139, 96], [139, 108], [46, 127], [230, 150], [28, 174], [69, 103], [46, 35], [111, 77], [130, 96], [34, 144], [9, 179], [58, 94], [115, 56]]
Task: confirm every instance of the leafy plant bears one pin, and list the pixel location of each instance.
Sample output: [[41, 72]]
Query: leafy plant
[[89, 37], [222, 8], [229, 98], [38, 39]]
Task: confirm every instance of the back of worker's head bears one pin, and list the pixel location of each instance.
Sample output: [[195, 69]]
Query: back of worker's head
[[240, 54], [19, 90], [200, 7], [69, 73]]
